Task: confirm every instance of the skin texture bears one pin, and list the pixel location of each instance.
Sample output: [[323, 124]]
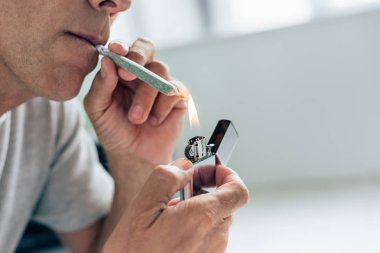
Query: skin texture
[[44, 59], [47, 53], [204, 220]]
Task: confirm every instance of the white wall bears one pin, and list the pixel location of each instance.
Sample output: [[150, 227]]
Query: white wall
[[304, 99]]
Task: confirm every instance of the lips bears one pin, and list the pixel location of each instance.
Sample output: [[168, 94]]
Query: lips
[[92, 39]]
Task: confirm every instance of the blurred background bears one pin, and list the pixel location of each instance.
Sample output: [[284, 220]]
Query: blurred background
[[300, 80]]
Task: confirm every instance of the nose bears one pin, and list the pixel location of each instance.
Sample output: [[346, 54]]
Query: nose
[[111, 7]]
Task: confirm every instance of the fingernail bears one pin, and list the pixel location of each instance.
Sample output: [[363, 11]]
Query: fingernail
[[125, 47], [183, 163], [137, 112], [122, 43], [117, 42], [153, 120]]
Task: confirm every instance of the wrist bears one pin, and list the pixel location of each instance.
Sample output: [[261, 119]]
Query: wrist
[[130, 174]]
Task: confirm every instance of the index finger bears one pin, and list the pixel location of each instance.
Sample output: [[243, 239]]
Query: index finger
[[142, 51], [121, 49]]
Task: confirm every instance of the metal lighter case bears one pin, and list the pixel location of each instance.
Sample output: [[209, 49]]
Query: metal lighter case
[[220, 146]]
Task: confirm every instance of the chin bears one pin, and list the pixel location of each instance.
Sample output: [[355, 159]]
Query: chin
[[67, 84]]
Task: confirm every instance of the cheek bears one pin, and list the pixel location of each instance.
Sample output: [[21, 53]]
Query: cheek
[[41, 59], [55, 72], [21, 25], [23, 54], [54, 83]]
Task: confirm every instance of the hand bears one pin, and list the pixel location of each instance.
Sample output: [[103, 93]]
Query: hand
[[199, 224], [132, 120]]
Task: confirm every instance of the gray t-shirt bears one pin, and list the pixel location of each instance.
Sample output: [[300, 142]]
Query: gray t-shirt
[[49, 171]]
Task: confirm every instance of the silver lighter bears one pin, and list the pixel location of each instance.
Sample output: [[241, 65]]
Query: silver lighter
[[220, 146]]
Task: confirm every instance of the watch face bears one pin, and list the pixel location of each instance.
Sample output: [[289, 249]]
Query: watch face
[[223, 140]]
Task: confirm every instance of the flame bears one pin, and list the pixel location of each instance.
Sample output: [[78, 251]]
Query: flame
[[193, 114]]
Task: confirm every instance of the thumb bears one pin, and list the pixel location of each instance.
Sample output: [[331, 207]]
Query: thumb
[[160, 187], [99, 97]]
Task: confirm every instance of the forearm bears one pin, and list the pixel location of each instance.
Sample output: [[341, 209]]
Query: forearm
[[110, 105]]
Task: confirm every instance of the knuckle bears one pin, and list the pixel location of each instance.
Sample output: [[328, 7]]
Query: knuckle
[[138, 56], [146, 42], [144, 46], [159, 67]]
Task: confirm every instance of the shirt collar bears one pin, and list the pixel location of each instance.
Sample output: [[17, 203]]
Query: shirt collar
[[3, 118]]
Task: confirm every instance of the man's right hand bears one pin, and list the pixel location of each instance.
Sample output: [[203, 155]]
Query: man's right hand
[[199, 224]]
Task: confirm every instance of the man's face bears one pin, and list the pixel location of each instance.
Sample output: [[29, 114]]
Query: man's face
[[46, 44]]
